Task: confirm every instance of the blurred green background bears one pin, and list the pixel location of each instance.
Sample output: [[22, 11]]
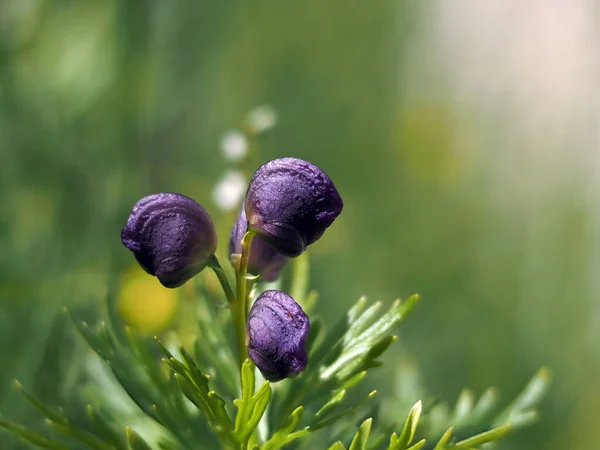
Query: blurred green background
[[462, 136]]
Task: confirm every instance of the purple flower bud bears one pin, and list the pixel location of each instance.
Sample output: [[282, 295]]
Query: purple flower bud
[[290, 203], [171, 236], [264, 259], [277, 330]]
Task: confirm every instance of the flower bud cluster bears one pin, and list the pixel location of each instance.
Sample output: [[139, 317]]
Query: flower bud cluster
[[288, 205]]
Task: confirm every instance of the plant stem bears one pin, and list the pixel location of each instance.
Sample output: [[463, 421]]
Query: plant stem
[[220, 273], [239, 307]]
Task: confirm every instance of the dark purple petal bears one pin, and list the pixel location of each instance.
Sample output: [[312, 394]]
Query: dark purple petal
[[264, 259], [171, 236], [290, 203], [277, 330]]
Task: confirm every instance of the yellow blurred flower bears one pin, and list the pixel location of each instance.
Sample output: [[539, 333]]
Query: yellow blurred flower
[[144, 303]]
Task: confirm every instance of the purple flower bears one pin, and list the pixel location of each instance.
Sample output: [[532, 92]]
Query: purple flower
[[264, 259], [290, 203], [171, 236], [277, 330]]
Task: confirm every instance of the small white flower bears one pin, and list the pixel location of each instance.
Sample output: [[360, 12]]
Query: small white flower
[[228, 192], [262, 119], [234, 145]]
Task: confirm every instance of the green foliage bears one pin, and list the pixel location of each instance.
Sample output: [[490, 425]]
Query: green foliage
[[186, 410], [251, 406], [200, 395]]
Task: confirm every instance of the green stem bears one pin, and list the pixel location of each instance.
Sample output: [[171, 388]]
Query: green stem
[[220, 273], [239, 307]]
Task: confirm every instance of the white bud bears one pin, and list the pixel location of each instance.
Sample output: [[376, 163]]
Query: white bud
[[230, 190], [261, 119], [234, 145]]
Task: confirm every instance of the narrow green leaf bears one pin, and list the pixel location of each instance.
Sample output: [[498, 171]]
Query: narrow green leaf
[[103, 428], [197, 398], [96, 344], [135, 441], [362, 436], [335, 336], [337, 446], [350, 410], [178, 366], [367, 360], [464, 405], [444, 440], [244, 403], [331, 404], [260, 400], [353, 380], [86, 438], [484, 407], [32, 437], [360, 351], [529, 398], [42, 407], [396, 314], [282, 436], [362, 322], [410, 427], [520, 420], [162, 348], [483, 438], [419, 445]]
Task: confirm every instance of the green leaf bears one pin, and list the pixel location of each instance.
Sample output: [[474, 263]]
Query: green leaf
[[95, 342], [32, 437], [464, 405], [409, 430], [362, 436], [444, 440], [104, 428], [337, 446], [333, 402], [353, 380], [82, 436], [365, 340], [362, 322], [484, 408], [350, 410], [483, 438], [419, 445], [283, 435], [42, 407], [251, 406], [135, 441], [520, 411], [59, 422], [334, 338]]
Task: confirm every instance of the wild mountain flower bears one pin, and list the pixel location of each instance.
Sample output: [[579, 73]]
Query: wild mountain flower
[[171, 236], [276, 334], [290, 203], [264, 259]]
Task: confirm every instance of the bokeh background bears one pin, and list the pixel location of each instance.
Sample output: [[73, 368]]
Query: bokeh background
[[463, 136]]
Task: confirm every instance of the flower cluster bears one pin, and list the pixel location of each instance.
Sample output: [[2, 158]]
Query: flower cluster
[[288, 206]]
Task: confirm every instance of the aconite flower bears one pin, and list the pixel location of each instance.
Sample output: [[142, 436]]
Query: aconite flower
[[264, 260], [290, 203], [277, 330], [171, 236]]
